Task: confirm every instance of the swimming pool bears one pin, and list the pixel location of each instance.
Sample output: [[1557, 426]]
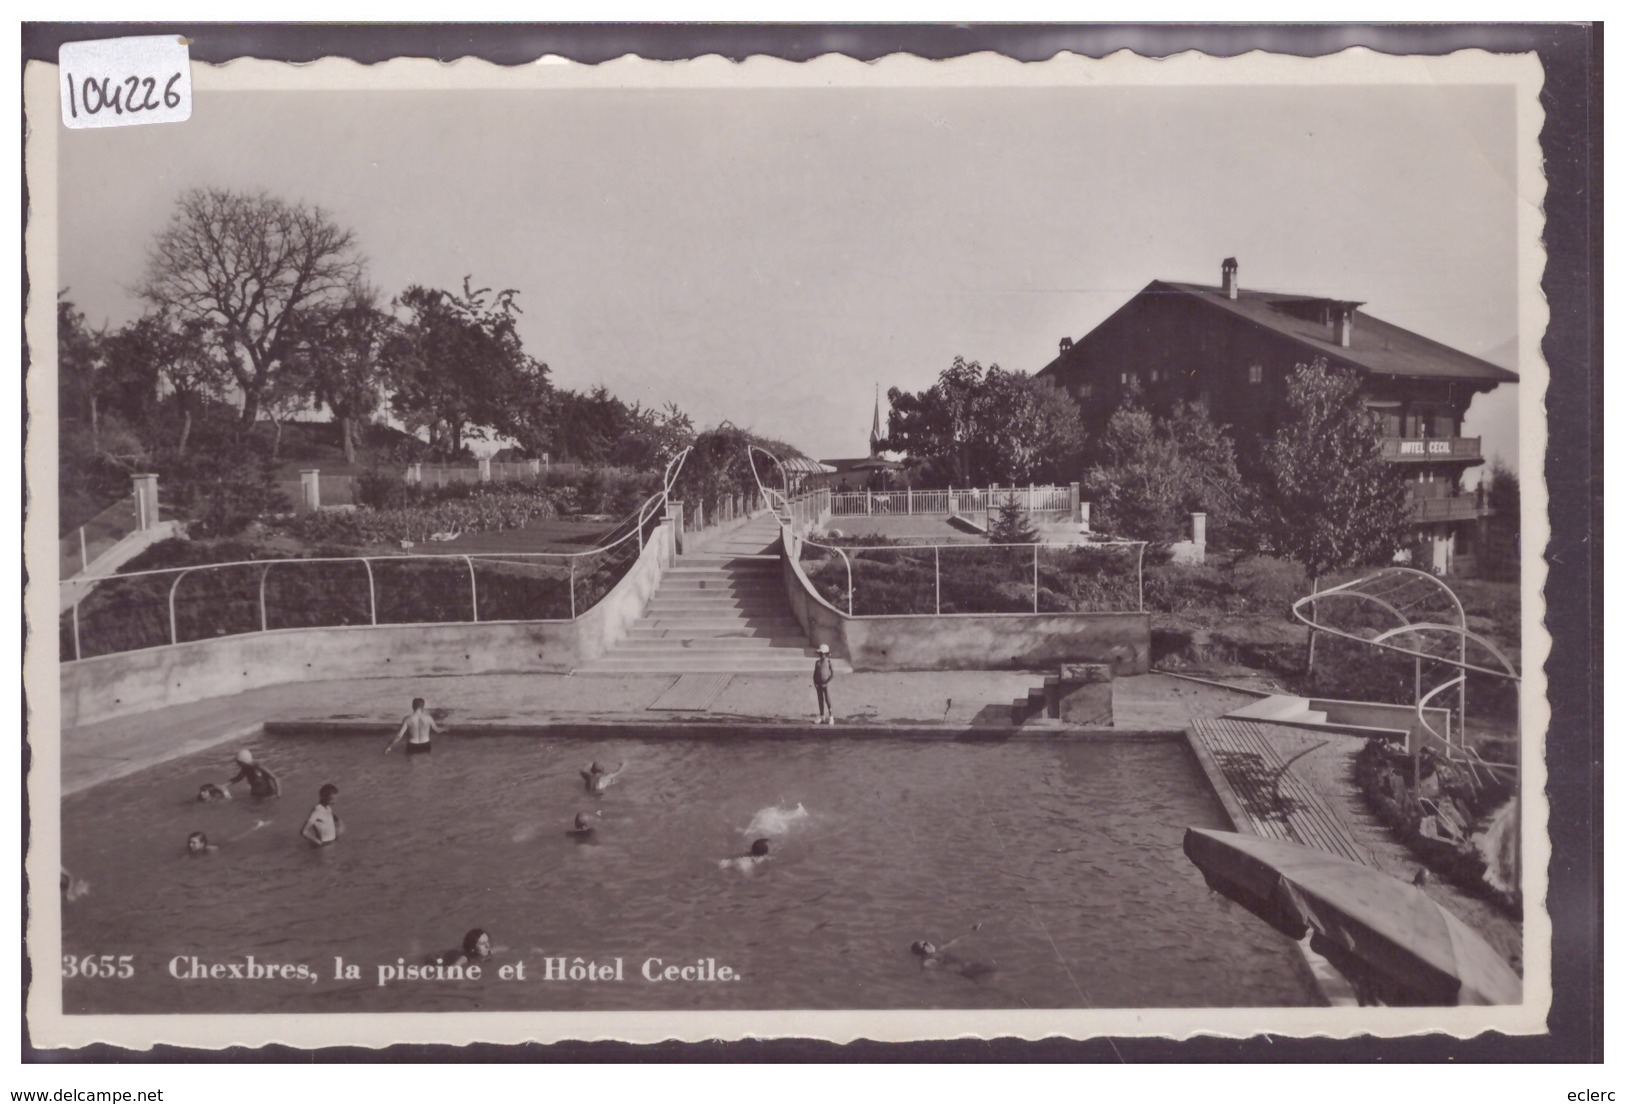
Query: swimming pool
[[1066, 851]]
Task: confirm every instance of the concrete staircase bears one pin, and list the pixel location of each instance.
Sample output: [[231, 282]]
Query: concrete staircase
[[718, 610]]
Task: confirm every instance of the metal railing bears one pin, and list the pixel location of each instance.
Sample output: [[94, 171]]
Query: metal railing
[[176, 605], [946, 579], [963, 500]]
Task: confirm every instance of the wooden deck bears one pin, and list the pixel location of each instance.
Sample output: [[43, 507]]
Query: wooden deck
[[1278, 805]]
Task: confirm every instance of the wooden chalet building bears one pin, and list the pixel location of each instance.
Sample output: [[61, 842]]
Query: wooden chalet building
[[1235, 349]]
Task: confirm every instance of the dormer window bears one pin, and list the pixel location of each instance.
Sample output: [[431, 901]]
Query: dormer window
[[1255, 374]]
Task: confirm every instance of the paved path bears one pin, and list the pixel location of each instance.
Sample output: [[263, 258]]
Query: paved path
[[954, 700]]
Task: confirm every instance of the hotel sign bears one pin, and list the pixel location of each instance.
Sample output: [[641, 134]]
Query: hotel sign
[[1421, 448]]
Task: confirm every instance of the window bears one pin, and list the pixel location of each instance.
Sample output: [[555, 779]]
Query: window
[[1155, 375], [1255, 374], [1085, 390], [1122, 378]]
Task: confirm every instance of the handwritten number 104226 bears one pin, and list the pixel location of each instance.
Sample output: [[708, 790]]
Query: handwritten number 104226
[[131, 94]]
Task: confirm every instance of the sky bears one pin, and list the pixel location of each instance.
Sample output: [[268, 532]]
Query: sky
[[766, 257]]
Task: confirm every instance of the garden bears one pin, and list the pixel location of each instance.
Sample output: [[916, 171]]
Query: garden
[[889, 579]]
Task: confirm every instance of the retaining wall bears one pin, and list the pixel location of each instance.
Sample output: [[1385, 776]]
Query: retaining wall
[[132, 682], [967, 641]]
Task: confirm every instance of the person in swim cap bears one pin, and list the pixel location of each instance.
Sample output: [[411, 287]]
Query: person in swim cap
[[598, 780], [261, 782]]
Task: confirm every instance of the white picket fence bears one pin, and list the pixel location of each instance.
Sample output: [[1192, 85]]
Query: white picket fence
[[954, 501]]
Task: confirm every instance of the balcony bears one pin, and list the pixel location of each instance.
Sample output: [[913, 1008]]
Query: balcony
[[1403, 449], [1460, 507]]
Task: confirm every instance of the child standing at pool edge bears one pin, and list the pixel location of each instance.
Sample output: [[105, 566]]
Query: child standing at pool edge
[[823, 675]]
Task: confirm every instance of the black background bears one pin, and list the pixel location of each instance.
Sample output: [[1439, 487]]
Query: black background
[[1571, 141]]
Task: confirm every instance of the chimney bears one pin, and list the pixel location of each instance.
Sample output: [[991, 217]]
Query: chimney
[[1343, 323], [1066, 344], [1229, 270]]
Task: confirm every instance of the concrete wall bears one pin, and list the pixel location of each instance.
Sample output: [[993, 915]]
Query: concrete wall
[[967, 641], [1380, 715], [133, 682]]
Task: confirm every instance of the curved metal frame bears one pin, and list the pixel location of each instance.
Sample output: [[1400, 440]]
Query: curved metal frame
[[1458, 634]]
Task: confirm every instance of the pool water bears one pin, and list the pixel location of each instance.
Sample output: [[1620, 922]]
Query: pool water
[[1067, 852]]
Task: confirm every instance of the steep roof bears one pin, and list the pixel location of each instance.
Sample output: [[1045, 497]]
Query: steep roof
[[1376, 346]]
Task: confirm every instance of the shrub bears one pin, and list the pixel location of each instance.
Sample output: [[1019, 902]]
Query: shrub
[[1383, 775], [381, 488]]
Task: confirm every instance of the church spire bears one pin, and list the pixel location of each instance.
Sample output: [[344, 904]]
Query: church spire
[[875, 436]]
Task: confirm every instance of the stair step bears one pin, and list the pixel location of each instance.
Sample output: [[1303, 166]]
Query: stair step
[[719, 606], [701, 631], [716, 644], [720, 586], [696, 664]]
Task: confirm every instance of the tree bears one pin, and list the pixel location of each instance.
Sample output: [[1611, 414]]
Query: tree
[[457, 366], [1151, 472], [652, 437], [247, 264], [986, 427], [1498, 556], [79, 364], [1328, 499], [1012, 525], [183, 354], [337, 360]]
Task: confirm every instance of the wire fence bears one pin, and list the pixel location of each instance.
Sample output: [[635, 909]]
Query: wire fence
[[178, 605]]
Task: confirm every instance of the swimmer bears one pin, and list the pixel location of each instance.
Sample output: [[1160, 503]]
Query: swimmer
[[261, 782], [746, 863], [209, 793], [582, 830], [323, 825], [476, 948], [417, 728], [74, 888], [197, 844], [598, 780], [935, 957]]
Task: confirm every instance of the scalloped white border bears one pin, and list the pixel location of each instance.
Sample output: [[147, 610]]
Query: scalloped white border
[[1359, 66]]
